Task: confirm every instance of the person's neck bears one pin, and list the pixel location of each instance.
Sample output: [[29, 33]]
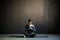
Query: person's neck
[[30, 24]]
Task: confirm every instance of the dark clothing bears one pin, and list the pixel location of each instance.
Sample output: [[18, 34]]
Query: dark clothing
[[30, 31]]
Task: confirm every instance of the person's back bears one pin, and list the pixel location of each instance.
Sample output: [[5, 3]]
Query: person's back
[[30, 29]]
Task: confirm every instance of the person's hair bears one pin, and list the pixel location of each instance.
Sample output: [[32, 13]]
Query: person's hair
[[29, 20]]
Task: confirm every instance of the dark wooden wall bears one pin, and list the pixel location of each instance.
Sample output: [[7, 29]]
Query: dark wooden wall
[[15, 14]]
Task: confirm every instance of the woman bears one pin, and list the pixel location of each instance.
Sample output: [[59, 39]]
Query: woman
[[30, 30]]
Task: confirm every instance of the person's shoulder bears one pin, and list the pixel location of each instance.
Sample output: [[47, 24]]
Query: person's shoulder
[[26, 25]]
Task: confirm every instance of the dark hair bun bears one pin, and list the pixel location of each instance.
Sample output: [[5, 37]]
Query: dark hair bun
[[29, 20]]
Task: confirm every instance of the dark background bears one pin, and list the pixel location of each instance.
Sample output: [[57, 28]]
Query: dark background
[[15, 14]]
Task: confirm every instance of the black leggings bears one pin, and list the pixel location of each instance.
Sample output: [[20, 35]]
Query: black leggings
[[29, 35]]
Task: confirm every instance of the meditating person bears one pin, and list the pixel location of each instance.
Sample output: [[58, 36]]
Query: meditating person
[[30, 30]]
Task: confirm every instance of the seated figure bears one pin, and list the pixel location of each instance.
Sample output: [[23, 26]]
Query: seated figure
[[30, 30]]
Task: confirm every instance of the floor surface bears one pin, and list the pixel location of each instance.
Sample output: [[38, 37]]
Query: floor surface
[[21, 37]]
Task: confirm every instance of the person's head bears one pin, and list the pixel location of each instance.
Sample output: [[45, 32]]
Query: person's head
[[29, 21]]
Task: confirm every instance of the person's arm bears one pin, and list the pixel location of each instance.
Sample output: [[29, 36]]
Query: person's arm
[[34, 28], [26, 28]]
